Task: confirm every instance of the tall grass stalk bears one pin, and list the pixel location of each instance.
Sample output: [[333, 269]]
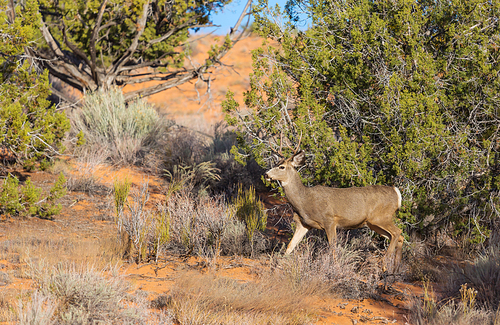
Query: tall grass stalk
[[138, 222], [122, 189], [39, 310], [250, 210]]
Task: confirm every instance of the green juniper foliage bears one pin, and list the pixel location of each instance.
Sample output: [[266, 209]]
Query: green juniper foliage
[[250, 210], [27, 200], [30, 128], [384, 92]]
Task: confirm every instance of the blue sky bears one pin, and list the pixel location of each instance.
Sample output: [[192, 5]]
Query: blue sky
[[229, 15]]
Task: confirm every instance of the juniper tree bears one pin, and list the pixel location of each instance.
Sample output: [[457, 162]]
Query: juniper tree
[[91, 45], [398, 92], [30, 127]]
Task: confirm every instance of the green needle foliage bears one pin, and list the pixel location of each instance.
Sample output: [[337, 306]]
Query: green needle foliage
[[27, 200], [384, 92], [250, 210], [30, 128], [122, 189]]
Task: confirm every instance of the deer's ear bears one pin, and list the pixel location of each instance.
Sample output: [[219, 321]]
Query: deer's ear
[[298, 159]]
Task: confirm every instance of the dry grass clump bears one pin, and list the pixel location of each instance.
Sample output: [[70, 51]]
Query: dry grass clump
[[22, 245], [208, 226], [473, 290], [88, 160], [483, 276], [460, 311], [284, 294], [39, 310], [80, 295], [450, 313], [317, 269], [214, 300], [193, 152], [185, 223]]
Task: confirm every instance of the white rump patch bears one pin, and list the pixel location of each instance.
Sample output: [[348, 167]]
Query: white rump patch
[[399, 196]]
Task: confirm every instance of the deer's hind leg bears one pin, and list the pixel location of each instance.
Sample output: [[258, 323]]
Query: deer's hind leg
[[393, 233]]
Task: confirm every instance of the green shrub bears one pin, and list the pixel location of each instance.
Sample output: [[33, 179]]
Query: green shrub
[[49, 207], [30, 127], [128, 130], [250, 210], [30, 197], [26, 200], [9, 195], [383, 92]]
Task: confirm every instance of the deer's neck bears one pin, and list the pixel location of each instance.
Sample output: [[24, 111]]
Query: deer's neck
[[294, 189]]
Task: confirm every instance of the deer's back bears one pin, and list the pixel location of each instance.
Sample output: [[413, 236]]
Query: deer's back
[[351, 207]]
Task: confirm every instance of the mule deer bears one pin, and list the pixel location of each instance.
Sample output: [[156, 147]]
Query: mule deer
[[327, 208]]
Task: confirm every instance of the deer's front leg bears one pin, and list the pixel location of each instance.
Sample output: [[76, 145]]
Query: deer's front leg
[[331, 234], [300, 232]]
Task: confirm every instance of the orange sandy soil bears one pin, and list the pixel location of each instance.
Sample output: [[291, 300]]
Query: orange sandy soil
[[83, 219], [190, 104]]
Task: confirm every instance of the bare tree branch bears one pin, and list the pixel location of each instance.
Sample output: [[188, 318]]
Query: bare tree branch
[[194, 73], [141, 24], [93, 38], [78, 66]]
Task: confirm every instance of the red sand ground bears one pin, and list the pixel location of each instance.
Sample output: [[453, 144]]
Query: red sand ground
[[190, 103], [78, 220]]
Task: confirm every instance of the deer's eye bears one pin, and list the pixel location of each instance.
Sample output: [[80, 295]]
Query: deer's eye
[[281, 167]]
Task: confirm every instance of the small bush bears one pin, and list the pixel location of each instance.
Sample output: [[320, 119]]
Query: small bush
[[207, 162], [25, 200], [135, 220], [198, 224], [250, 210], [9, 196], [483, 276], [319, 269], [128, 131], [185, 223], [88, 160], [198, 176], [49, 207], [84, 295], [39, 310], [428, 311], [449, 313]]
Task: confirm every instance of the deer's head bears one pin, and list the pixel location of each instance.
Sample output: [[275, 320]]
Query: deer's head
[[286, 168]]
